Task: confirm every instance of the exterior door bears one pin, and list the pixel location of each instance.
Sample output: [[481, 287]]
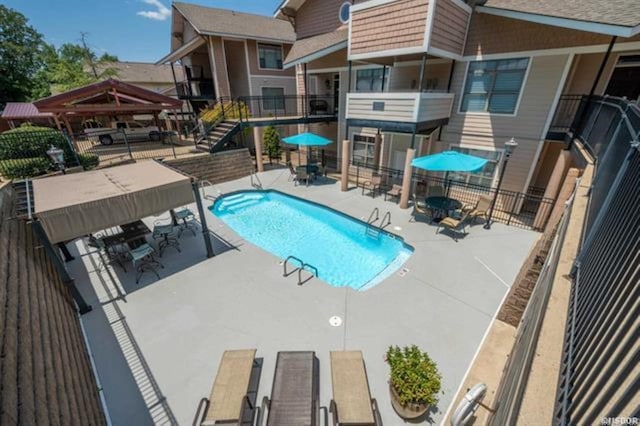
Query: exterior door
[[398, 159]]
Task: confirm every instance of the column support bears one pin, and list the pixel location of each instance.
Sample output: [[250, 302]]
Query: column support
[[406, 179], [346, 161], [203, 219]]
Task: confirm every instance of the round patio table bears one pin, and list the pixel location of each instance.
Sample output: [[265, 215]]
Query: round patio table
[[442, 205], [310, 168]]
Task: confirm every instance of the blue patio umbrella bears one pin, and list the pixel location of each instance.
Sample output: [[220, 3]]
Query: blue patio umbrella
[[306, 139], [449, 161]]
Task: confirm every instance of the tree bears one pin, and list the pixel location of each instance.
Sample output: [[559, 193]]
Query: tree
[[71, 66], [20, 56], [271, 140]]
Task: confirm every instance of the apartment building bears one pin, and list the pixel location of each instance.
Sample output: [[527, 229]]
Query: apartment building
[[228, 54], [413, 77]]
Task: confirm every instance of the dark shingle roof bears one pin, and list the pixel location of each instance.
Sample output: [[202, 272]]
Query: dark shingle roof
[[143, 72], [612, 12], [208, 20]]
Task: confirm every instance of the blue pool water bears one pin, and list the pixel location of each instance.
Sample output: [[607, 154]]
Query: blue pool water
[[336, 244]]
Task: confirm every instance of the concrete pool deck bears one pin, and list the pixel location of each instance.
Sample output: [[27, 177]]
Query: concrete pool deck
[[157, 345]]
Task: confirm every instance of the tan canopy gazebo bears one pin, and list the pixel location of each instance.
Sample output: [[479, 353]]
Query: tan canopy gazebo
[[70, 206]]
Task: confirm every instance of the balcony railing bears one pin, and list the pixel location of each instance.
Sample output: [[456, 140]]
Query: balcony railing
[[201, 89], [412, 107]]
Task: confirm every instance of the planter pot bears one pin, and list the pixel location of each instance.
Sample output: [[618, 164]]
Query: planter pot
[[409, 411]]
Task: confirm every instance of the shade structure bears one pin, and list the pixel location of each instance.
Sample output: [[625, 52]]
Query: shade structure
[[449, 161], [307, 139], [73, 205]]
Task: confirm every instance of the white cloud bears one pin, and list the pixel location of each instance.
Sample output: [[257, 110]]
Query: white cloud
[[161, 13]]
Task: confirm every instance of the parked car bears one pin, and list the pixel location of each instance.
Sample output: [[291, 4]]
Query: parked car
[[119, 129]]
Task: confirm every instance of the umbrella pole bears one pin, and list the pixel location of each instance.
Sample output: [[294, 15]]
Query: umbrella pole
[[299, 159], [447, 184]]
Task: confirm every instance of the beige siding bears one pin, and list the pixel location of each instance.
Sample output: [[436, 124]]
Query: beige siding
[[396, 25], [317, 17], [237, 68], [434, 106], [491, 131], [494, 34], [220, 67], [288, 84], [333, 60], [252, 53], [449, 27], [399, 108], [584, 72]]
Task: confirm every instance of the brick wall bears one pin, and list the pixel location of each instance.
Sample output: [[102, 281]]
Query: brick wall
[[216, 168], [45, 372]]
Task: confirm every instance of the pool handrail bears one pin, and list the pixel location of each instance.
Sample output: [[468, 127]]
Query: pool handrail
[[303, 266]]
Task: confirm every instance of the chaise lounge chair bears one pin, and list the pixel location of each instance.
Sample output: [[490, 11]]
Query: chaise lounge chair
[[455, 225], [420, 209], [481, 209], [295, 392], [229, 396], [352, 403]]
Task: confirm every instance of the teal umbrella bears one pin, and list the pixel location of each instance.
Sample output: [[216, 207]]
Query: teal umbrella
[[306, 139], [449, 161]]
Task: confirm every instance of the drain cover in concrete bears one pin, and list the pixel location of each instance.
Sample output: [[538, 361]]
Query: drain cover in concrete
[[335, 321]]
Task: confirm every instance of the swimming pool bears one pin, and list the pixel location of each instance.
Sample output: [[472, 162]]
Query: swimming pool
[[334, 243]]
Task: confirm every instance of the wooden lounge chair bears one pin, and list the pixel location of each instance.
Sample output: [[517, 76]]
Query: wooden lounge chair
[[352, 403], [395, 191], [481, 209], [372, 185], [295, 392], [229, 396], [455, 225]]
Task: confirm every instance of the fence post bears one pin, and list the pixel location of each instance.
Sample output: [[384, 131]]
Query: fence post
[[73, 148], [126, 141], [173, 148]]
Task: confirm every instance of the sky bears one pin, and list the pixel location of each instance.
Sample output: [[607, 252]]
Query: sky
[[133, 30]]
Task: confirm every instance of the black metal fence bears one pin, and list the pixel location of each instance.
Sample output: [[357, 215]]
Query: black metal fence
[[566, 113], [23, 152], [289, 106], [115, 145], [599, 378], [523, 210]]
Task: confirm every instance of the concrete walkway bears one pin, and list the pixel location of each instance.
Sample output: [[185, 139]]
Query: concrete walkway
[[157, 344]]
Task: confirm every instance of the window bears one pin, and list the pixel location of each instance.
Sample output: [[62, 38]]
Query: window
[[345, 12], [494, 86], [363, 149], [270, 56], [370, 80], [486, 175], [273, 98]]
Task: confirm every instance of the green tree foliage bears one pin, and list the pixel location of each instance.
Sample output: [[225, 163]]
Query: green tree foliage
[[71, 66], [20, 56], [271, 139]]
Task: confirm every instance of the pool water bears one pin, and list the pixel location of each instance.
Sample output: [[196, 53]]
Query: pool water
[[344, 254]]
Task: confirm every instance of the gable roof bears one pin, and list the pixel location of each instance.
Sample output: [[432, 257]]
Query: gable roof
[[22, 110], [613, 17], [133, 98], [315, 47], [143, 72], [225, 22]]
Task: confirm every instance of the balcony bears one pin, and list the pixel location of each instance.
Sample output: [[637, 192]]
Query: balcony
[[196, 89], [403, 112], [408, 27]]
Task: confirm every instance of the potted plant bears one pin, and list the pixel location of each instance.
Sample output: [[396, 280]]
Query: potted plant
[[415, 381]]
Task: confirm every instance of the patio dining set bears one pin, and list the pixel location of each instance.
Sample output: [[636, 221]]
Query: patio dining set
[[130, 244]]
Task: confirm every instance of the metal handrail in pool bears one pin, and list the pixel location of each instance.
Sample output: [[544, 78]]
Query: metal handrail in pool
[[299, 269]]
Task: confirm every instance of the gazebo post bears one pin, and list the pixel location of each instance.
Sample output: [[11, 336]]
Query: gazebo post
[[203, 219], [83, 306]]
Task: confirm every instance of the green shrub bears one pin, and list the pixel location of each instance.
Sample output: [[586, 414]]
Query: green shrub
[[271, 140], [414, 375], [88, 161], [24, 167], [32, 141]]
